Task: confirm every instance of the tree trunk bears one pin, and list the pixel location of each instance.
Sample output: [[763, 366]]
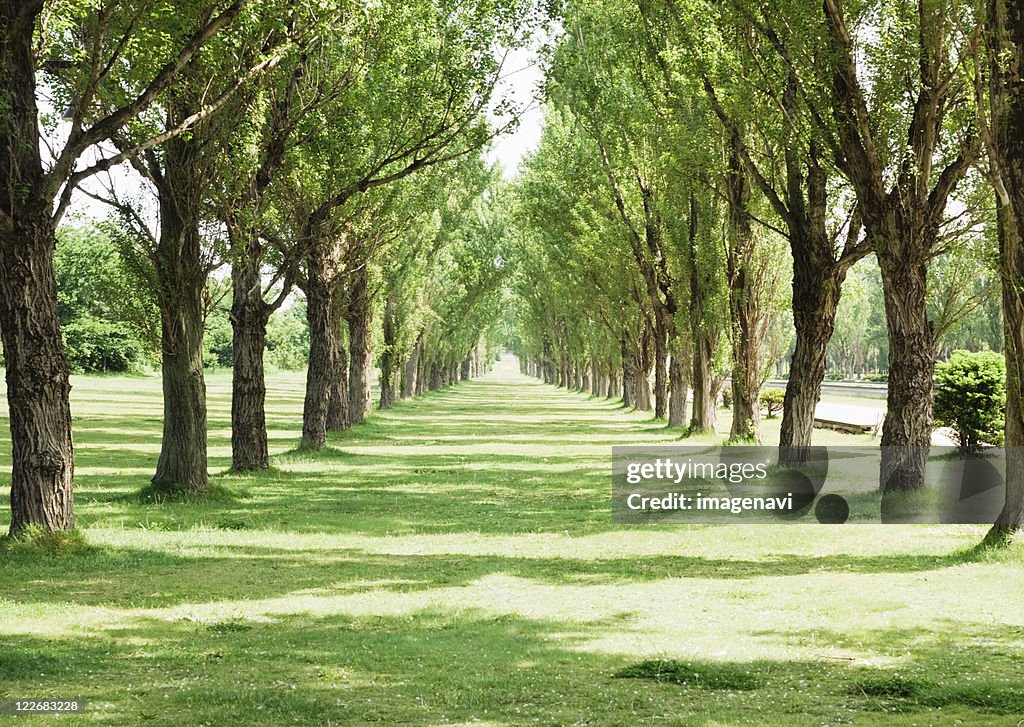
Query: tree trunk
[[37, 376], [1005, 35], [181, 273], [678, 387], [183, 447], [323, 354], [704, 412], [643, 390], [338, 412], [464, 373], [387, 357], [628, 374], [409, 371], [906, 433], [1011, 247], [744, 304], [36, 366], [660, 369], [643, 363], [815, 299], [249, 315], [358, 316]]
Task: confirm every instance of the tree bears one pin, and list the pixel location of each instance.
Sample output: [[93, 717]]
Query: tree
[[904, 168], [184, 249], [80, 49], [999, 74]]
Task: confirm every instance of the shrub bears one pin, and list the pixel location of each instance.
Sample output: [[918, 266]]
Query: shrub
[[876, 378], [772, 400], [970, 397], [727, 397]]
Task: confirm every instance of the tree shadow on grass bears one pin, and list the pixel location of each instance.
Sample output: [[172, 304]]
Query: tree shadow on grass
[[174, 572], [438, 665]]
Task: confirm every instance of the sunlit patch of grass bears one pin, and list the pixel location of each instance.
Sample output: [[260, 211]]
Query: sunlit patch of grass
[[453, 560]]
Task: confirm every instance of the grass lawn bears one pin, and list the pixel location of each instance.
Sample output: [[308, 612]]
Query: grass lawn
[[453, 561]]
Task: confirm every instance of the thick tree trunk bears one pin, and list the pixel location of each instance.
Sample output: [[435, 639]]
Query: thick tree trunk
[[1005, 35], [183, 448], [643, 390], [1011, 244], [360, 365], [37, 376], [744, 304], [338, 416], [323, 356], [704, 412], [464, 371], [678, 387], [906, 433], [36, 367], [746, 383], [180, 269], [249, 315], [815, 299]]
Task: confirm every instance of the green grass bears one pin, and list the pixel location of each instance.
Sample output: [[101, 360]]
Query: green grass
[[453, 561]]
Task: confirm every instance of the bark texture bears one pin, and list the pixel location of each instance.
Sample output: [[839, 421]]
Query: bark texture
[[249, 316], [324, 345], [387, 357], [36, 367], [678, 388], [1004, 28], [357, 314], [181, 273]]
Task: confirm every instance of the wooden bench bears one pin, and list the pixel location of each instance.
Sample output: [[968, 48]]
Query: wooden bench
[[844, 426]]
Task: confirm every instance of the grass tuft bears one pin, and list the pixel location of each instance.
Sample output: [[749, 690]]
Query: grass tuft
[[705, 675], [888, 686], [34, 540], [986, 695]]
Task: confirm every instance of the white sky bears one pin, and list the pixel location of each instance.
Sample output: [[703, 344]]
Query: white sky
[[521, 82]]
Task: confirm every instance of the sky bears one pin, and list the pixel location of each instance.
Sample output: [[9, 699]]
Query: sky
[[521, 81]]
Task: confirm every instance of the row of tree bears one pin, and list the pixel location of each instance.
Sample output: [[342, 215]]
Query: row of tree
[[698, 155], [332, 147]]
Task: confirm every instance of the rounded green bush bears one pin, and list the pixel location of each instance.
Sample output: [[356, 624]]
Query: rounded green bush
[[970, 397]]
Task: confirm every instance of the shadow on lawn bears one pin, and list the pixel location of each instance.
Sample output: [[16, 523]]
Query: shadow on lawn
[[437, 665], [125, 577]]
